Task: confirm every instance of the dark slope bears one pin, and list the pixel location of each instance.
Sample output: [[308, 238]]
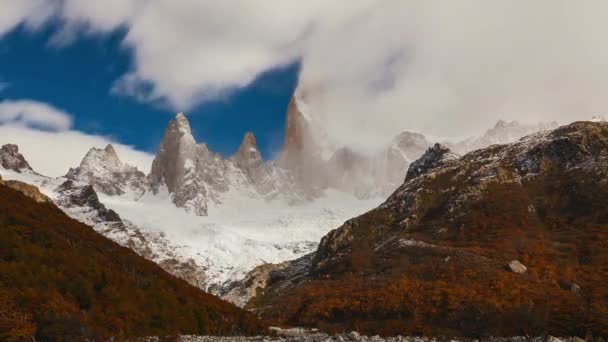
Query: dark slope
[[60, 280], [433, 259]]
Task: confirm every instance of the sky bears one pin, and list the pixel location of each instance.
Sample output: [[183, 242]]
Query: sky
[[77, 80], [118, 70]]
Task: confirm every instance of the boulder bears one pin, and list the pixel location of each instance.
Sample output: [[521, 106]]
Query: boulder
[[517, 267], [575, 288]]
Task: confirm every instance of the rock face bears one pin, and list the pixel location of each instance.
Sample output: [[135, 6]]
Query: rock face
[[300, 147], [102, 169], [197, 177], [28, 190], [434, 157], [448, 232], [248, 157], [188, 170], [72, 195], [11, 159]]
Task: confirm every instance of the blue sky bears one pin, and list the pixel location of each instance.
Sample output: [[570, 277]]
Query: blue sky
[[78, 79], [368, 69]]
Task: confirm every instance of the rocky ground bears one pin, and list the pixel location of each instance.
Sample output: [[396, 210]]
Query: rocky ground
[[354, 336]]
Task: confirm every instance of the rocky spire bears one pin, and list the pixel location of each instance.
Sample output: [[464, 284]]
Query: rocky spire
[[11, 159], [111, 154], [248, 157], [301, 153], [176, 148], [298, 136]]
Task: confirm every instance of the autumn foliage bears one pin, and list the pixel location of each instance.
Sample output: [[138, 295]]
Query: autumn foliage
[[557, 226], [60, 280]]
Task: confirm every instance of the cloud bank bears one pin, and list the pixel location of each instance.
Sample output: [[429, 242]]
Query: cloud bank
[[34, 113], [368, 66], [53, 150]]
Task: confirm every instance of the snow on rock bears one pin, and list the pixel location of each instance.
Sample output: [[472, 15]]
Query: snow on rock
[[102, 169], [435, 156], [11, 159]]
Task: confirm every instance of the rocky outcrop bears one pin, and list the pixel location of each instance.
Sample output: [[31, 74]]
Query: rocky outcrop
[[11, 159], [197, 177], [434, 157], [240, 292], [458, 227], [102, 169], [248, 158], [73, 195], [188, 170], [28, 190], [404, 149], [301, 152]]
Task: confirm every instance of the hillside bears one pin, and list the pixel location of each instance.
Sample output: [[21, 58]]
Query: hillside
[[60, 280], [508, 240]]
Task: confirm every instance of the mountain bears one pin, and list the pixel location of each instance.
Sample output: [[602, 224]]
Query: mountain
[[506, 240], [102, 169], [60, 280], [80, 201], [210, 219], [503, 132]]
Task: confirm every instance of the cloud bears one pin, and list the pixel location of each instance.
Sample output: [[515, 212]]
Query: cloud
[[368, 66], [54, 149], [188, 51], [32, 13], [34, 113], [53, 153]]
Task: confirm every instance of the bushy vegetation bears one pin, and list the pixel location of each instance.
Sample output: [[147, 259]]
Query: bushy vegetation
[[60, 280], [557, 226]]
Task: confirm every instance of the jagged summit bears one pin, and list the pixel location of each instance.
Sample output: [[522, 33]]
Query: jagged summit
[[503, 132], [111, 152], [11, 159], [435, 156], [177, 146], [189, 171], [182, 123], [248, 158], [103, 169]]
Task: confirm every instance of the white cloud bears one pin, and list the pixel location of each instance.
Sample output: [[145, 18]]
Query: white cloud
[[32, 13], [53, 153], [34, 113], [368, 66], [191, 50]]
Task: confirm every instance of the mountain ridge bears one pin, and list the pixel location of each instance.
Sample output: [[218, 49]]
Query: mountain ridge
[[441, 254]]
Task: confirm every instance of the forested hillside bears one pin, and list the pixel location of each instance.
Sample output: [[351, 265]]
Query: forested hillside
[[60, 280]]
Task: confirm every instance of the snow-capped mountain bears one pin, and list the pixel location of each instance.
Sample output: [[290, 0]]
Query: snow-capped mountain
[[503, 132], [449, 246], [103, 169], [210, 219]]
